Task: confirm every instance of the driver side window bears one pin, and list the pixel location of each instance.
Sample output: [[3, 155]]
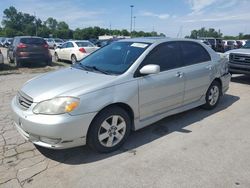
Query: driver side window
[[166, 55]]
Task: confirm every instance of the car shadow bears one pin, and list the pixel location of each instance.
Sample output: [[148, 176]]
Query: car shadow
[[175, 123], [241, 79], [6, 67]]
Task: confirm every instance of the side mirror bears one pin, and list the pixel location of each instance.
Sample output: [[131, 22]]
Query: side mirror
[[150, 69]]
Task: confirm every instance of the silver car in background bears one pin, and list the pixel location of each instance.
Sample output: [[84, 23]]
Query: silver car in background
[[124, 86]]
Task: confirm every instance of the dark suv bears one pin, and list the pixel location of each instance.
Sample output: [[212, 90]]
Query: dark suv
[[29, 49]]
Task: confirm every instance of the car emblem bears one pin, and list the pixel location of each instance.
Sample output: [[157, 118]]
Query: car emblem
[[242, 59]]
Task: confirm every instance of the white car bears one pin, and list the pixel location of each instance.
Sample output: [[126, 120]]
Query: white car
[[74, 51], [54, 42], [1, 57]]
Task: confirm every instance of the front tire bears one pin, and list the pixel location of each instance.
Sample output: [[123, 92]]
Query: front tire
[[109, 130], [213, 95]]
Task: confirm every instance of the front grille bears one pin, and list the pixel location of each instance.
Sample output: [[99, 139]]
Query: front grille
[[24, 101], [239, 58]]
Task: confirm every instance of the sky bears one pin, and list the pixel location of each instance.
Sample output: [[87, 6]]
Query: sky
[[171, 17]]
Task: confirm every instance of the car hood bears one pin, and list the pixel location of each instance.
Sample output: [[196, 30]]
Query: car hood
[[65, 82], [240, 50]]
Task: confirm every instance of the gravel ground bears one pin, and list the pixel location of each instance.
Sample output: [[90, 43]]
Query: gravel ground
[[197, 148]]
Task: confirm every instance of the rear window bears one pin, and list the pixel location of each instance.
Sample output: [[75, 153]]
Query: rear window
[[36, 41], [84, 44], [58, 40]]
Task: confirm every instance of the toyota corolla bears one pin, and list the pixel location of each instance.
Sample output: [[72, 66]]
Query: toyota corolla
[[124, 86]]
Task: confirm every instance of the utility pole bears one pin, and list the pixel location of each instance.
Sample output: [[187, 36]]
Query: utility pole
[[134, 22], [131, 20], [35, 22]]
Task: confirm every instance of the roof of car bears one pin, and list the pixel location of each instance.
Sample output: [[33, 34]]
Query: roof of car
[[28, 37], [78, 41], [156, 39]]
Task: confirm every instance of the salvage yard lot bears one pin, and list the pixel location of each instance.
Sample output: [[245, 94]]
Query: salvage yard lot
[[197, 148]]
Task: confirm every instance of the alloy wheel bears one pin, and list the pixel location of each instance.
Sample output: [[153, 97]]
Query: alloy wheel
[[112, 131], [213, 95]]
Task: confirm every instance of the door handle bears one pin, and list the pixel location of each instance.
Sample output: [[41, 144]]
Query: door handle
[[179, 74], [209, 67]]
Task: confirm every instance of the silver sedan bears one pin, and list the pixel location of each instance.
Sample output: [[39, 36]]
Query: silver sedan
[[124, 86]]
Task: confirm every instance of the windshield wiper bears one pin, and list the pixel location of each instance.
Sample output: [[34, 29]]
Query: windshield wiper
[[94, 68]]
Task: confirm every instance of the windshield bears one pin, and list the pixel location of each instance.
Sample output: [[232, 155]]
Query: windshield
[[247, 45], [115, 58]]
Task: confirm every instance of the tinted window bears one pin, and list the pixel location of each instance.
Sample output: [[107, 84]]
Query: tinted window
[[36, 41], [166, 55], [194, 53]]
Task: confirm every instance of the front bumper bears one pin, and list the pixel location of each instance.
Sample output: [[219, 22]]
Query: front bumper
[[52, 131], [239, 68]]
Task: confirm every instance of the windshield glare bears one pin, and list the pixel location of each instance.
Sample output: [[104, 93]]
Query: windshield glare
[[115, 58], [247, 45]]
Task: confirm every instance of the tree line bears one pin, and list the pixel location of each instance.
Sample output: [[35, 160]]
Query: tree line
[[203, 32], [17, 23]]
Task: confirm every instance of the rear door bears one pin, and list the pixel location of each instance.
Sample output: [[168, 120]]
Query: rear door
[[159, 93], [198, 70]]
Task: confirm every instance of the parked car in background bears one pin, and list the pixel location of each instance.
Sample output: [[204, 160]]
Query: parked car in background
[[239, 44], [29, 49], [230, 44], [206, 42], [2, 39], [102, 43], [7, 42], [239, 60], [54, 42], [1, 57], [216, 43], [74, 51], [124, 86]]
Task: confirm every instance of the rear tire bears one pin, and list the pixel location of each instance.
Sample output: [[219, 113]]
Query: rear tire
[[109, 130], [9, 59], [73, 59], [57, 59], [213, 95]]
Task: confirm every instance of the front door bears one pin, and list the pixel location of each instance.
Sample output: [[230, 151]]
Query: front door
[[159, 93]]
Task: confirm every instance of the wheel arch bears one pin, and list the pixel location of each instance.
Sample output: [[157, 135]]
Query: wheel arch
[[122, 105], [220, 82]]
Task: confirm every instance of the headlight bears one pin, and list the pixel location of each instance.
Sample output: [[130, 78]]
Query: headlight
[[59, 105]]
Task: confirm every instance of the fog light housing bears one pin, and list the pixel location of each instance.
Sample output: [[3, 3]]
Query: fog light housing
[[50, 140]]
